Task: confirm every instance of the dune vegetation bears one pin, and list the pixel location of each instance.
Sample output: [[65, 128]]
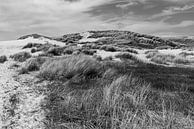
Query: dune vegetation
[[123, 80]]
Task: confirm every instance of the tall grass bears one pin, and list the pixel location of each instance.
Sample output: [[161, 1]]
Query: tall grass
[[111, 100], [76, 66]]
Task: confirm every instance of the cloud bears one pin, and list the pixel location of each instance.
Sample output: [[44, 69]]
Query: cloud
[[172, 10], [57, 17], [50, 17], [123, 6]]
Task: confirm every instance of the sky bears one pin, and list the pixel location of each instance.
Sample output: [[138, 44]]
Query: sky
[[59, 17]]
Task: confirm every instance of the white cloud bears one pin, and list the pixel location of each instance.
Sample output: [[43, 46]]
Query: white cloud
[[172, 10], [123, 6], [56, 17], [48, 16]]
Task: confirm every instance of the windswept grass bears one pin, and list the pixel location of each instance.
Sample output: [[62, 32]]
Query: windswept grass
[[76, 66], [32, 64], [84, 93]]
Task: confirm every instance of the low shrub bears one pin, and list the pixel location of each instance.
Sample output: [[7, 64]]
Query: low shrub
[[126, 55], [109, 48], [45, 47], [23, 71], [15, 65], [97, 57], [181, 60], [109, 58], [3, 59], [33, 50], [45, 54], [131, 51], [21, 56], [88, 52], [56, 51], [32, 64], [68, 51], [31, 45]]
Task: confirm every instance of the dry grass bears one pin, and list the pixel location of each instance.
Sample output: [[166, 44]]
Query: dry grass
[[77, 66], [122, 104], [32, 64], [111, 100]]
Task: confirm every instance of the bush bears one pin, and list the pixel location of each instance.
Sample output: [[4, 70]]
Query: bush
[[126, 55], [69, 67], [33, 50], [109, 48], [34, 64], [131, 51], [56, 51], [45, 47], [181, 60], [45, 55], [31, 45], [88, 52], [97, 57], [3, 59], [68, 51], [21, 56], [23, 71], [109, 58]]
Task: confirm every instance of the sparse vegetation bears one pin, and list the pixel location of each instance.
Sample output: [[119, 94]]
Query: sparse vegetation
[[126, 55], [85, 91]]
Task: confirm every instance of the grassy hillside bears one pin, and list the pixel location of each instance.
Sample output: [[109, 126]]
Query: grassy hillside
[[86, 91]]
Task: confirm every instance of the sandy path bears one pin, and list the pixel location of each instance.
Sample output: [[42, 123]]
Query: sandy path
[[19, 102]]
